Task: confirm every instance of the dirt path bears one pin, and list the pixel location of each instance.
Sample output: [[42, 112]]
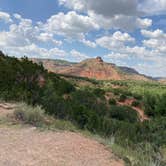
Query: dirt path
[[27, 146]]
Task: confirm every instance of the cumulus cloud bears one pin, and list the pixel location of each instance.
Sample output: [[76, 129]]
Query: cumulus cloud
[[109, 8], [105, 7], [35, 51], [153, 7], [88, 43], [24, 38], [115, 41], [158, 33], [73, 4], [5, 17], [127, 23], [25, 33], [77, 56], [119, 14], [71, 25], [48, 37], [156, 40]]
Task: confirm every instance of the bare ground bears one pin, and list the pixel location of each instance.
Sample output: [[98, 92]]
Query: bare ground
[[27, 146]]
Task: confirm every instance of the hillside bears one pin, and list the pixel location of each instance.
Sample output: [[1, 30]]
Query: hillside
[[94, 68], [129, 115], [43, 147]]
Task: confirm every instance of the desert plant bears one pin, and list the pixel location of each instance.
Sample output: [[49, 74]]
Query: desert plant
[[135, 103], [30, 115], [112, 101], [122, 98], [123, 113]]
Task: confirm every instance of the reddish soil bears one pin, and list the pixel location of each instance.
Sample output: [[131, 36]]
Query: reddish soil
[[91, 68]]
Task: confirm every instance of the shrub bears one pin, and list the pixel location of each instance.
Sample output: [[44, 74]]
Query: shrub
[[98, 92], [57, 124], [80, 116], [150, 104], [137, 96], [160, 108], [135, 103], [123, 113], [30, 115], [122, 98], [112, 101]]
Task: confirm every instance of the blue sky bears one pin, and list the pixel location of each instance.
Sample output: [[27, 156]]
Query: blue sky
[[128, 33]]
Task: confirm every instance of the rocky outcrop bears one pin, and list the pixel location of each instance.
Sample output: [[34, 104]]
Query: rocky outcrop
[[94, 68]]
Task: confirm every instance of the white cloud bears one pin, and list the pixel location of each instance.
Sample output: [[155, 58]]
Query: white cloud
[[24, 33], [74, 4], [153, 34], [24, 39], [116, 41], [128, 23], [77, 56], [19, 35], [110, 8], [35, 51], [5, 17], [156, 41], [108, 14], [104, 7], [48, 37], [70, 25], [88, 43], [153, 7]]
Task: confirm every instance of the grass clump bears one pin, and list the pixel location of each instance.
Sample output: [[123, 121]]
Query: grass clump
[[30, 115], [37, 117]]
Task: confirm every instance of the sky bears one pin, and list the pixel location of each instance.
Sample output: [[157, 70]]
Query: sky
[[125, 32]]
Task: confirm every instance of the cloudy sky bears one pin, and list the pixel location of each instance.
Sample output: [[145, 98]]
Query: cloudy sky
[[126, 32]]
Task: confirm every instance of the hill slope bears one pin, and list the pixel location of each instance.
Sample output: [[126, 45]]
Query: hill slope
[[48, 147], [94, 68]]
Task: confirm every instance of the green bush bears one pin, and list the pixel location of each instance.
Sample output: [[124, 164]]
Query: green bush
[[123, 113], [135, 103], [160, 108], [98, 92], [122, 98], [137, 96], [150, 102], [112, 101]]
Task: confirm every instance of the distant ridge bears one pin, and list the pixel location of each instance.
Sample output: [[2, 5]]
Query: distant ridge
[[94, 68]]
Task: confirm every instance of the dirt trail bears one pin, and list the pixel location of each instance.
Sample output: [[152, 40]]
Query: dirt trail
[[27, 146]]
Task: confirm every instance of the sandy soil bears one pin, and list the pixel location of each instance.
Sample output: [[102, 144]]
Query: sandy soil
[[27, 146]]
